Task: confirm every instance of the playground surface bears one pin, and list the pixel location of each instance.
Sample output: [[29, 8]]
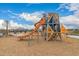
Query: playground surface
[[10, 46]]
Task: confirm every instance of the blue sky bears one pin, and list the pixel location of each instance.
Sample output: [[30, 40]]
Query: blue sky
[[23, 13], [27, 7], [32, 7]]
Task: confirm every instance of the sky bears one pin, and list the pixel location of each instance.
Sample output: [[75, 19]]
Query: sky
[[25, 15]]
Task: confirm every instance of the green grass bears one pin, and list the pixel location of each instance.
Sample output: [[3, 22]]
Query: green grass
[[75, 32]]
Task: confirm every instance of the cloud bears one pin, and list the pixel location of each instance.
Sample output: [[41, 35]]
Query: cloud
[[76, 13], [34, 17], [1, 24], [15, 25], [72, 7], [61, 6], [70, 21], [9, 11], [69, 6]]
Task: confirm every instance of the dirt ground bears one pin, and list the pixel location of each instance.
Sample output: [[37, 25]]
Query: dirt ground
[[10, 46]]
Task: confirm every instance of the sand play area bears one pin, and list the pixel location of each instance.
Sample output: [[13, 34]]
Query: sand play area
[[10, 46]]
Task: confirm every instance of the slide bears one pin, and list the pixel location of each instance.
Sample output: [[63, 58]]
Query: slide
[[37, 25]]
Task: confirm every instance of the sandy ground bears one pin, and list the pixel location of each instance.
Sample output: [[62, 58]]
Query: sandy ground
[[10, 46]]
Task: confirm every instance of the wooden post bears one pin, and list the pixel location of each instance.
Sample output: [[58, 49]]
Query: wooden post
[[6, 24], [47, 28]]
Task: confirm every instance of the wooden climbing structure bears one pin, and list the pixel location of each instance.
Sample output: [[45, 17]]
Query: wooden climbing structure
[[52, 29]]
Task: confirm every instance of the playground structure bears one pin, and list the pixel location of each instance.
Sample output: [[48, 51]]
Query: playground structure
[[51, 29]]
